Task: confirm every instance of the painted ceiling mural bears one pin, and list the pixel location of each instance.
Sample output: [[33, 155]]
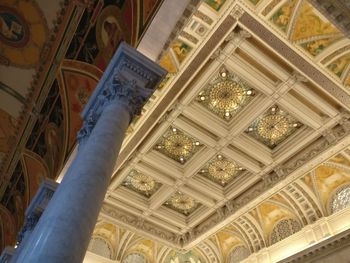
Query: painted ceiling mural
[[60, 50]]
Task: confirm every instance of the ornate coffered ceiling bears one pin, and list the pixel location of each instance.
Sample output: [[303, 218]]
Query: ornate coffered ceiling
[[252, 102]]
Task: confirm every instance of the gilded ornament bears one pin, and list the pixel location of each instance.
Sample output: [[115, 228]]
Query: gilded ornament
[[177, 145], [141, 183], [182, 203], [221, 170], [225, 95], [273, 127]]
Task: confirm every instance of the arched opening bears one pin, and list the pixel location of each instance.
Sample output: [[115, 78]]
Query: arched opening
[[238, 254], [134, 258], [283, 229], [340, 199], [100, 247]]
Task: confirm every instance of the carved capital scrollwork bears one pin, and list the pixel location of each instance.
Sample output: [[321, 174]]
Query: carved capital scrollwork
[[29, 225], [123, 92], [129, 80]]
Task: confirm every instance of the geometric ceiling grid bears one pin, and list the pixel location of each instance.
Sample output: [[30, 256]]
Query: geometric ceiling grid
[[273, 127], [245, 109]]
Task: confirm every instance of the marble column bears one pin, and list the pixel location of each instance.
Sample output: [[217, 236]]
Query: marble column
[[64, 230], [33, 213]]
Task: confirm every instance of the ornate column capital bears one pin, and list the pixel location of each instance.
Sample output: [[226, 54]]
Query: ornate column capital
[[129, 80]]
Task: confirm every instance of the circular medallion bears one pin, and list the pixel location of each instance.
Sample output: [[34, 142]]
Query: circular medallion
[[178, 145], [222, 170], [182, 202], [226, 95], [142, 182], [23, 33], [273, 127], [14, 31]]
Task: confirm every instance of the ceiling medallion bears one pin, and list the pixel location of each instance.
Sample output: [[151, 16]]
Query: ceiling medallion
[[141, 183], [273, 127], [221, 170], [225, 95], [177, 145], [182, 203]]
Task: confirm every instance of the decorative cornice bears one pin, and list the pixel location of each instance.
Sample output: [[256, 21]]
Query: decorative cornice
[[129, 220], [321, 250], [280, 173], [237, 12]]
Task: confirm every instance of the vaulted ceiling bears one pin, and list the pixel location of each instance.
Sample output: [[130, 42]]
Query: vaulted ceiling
[[243, 144], [256, 96]]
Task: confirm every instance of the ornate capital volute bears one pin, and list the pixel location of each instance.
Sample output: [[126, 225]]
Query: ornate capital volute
[[129, 80]]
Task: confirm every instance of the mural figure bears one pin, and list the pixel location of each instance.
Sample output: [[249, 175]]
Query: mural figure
[[108, 37], [10, 27]]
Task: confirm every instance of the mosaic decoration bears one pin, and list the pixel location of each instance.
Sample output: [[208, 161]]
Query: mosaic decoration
[[315, 47], [23, 33], [14, 30], [341, 199], [215, 4], [178, 146], [254, 2], [181, 50], [226, 95], [188, 257], [284, 229], [309, 24], [281, 18], [141, 183], [221, 170], [273, 127], [339, 65], [182, 203]]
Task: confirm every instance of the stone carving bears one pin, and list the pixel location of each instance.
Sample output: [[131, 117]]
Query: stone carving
[[29, 225], [237, 37], [125, 92], [141, 224], [237, 12]]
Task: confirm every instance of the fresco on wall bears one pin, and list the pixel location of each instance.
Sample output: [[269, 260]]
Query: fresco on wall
[[181, 50], [23, 33], [78, 80], [215, 4], [339, 65], [7, 130], [281, 18], [189, 257], [8, 227], [48, 135], [105, 25], [36, 170], [315, 47]]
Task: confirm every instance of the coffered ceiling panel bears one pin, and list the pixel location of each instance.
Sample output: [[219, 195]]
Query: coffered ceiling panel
[[246, 110]]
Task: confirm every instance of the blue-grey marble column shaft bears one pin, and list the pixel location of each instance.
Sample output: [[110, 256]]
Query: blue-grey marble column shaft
[[64, 230]]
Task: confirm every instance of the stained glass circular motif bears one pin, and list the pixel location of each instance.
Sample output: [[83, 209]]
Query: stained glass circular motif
[[227, 95], [273, 127], [142, 182], [178, 145], [13, 29], [222, 170], [182, 202]]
